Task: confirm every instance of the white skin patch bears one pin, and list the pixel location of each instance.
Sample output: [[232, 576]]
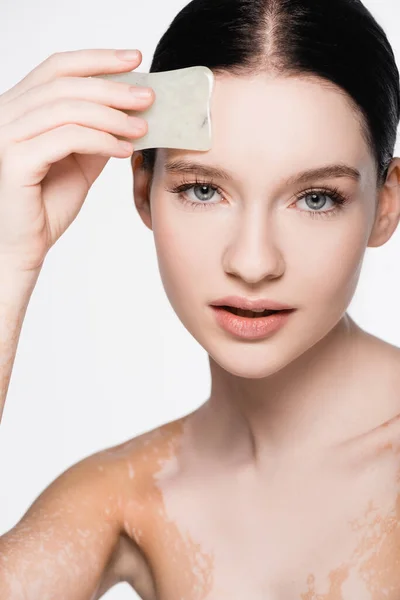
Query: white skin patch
[[327, 534], [72, 555], [131, 471]]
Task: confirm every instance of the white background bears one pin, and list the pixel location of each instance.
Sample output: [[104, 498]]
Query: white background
[[102, 356]]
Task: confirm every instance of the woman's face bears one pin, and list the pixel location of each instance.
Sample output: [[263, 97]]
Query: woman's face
[[258, 235]]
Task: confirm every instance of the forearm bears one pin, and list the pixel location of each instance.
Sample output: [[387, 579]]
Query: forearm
[[15, 292]]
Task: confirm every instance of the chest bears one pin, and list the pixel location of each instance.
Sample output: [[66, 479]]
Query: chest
[[308, 536]]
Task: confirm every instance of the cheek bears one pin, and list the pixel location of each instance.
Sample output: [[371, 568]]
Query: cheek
[[180, 253], [328, 266]]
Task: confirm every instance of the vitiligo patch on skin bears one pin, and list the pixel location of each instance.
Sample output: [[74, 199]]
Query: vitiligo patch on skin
[[64, 541], [372, 571], [158, 535], [32, 577], [212, 534], [208, 530], [131, 471]]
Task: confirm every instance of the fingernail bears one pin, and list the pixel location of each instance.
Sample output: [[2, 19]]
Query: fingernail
[[140, 92], [127, 54]]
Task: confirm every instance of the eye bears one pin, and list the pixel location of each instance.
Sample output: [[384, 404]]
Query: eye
[[203, 192], [314, 199], [317, 199]]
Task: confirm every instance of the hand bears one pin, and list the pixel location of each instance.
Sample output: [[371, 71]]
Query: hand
[[58, 130]]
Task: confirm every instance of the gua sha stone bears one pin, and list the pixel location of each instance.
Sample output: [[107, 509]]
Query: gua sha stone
[[180, 114]]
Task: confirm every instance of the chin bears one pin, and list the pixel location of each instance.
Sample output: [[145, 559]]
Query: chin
[[251, 370], [258, 359]]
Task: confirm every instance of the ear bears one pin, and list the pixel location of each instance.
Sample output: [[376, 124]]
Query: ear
[[141, 188], [388, 211]]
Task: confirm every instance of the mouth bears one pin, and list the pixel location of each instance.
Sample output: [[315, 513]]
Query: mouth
[[250, 314]]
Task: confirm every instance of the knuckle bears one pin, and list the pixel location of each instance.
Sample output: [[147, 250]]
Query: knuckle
[[55, 61], [52, 63], [53, 58]]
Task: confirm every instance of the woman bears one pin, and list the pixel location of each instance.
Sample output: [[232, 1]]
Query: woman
[[285, 483]]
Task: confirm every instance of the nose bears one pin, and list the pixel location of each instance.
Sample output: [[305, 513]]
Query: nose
[[254, 254]]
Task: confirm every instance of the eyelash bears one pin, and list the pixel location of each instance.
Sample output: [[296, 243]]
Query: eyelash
[[334, 193]]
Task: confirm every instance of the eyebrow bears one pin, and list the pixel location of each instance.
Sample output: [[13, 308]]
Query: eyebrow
[[328, 171]]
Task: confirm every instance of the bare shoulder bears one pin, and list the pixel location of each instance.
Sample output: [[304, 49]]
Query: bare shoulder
[[74, 536], [383, 373], [381, 377], [141, 460], [379, 346]]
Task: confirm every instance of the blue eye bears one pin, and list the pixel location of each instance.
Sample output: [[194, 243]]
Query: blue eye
[[203, 190], [207, 191], [316, 203]]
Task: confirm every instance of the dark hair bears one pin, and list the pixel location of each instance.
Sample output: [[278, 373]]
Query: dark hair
[[337, 40]]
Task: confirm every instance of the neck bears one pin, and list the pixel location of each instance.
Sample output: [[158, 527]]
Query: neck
[[310, 405]]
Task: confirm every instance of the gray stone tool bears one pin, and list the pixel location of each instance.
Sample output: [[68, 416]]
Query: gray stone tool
[[180, 115]]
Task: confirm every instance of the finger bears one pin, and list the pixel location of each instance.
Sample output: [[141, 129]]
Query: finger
[[71, 111], [81, 63], [107, 92], [28, 162]]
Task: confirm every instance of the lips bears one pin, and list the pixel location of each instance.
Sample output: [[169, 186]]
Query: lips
[[242, 303], [251, 328]]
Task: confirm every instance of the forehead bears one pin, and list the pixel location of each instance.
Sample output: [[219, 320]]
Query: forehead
[[277, 124]]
